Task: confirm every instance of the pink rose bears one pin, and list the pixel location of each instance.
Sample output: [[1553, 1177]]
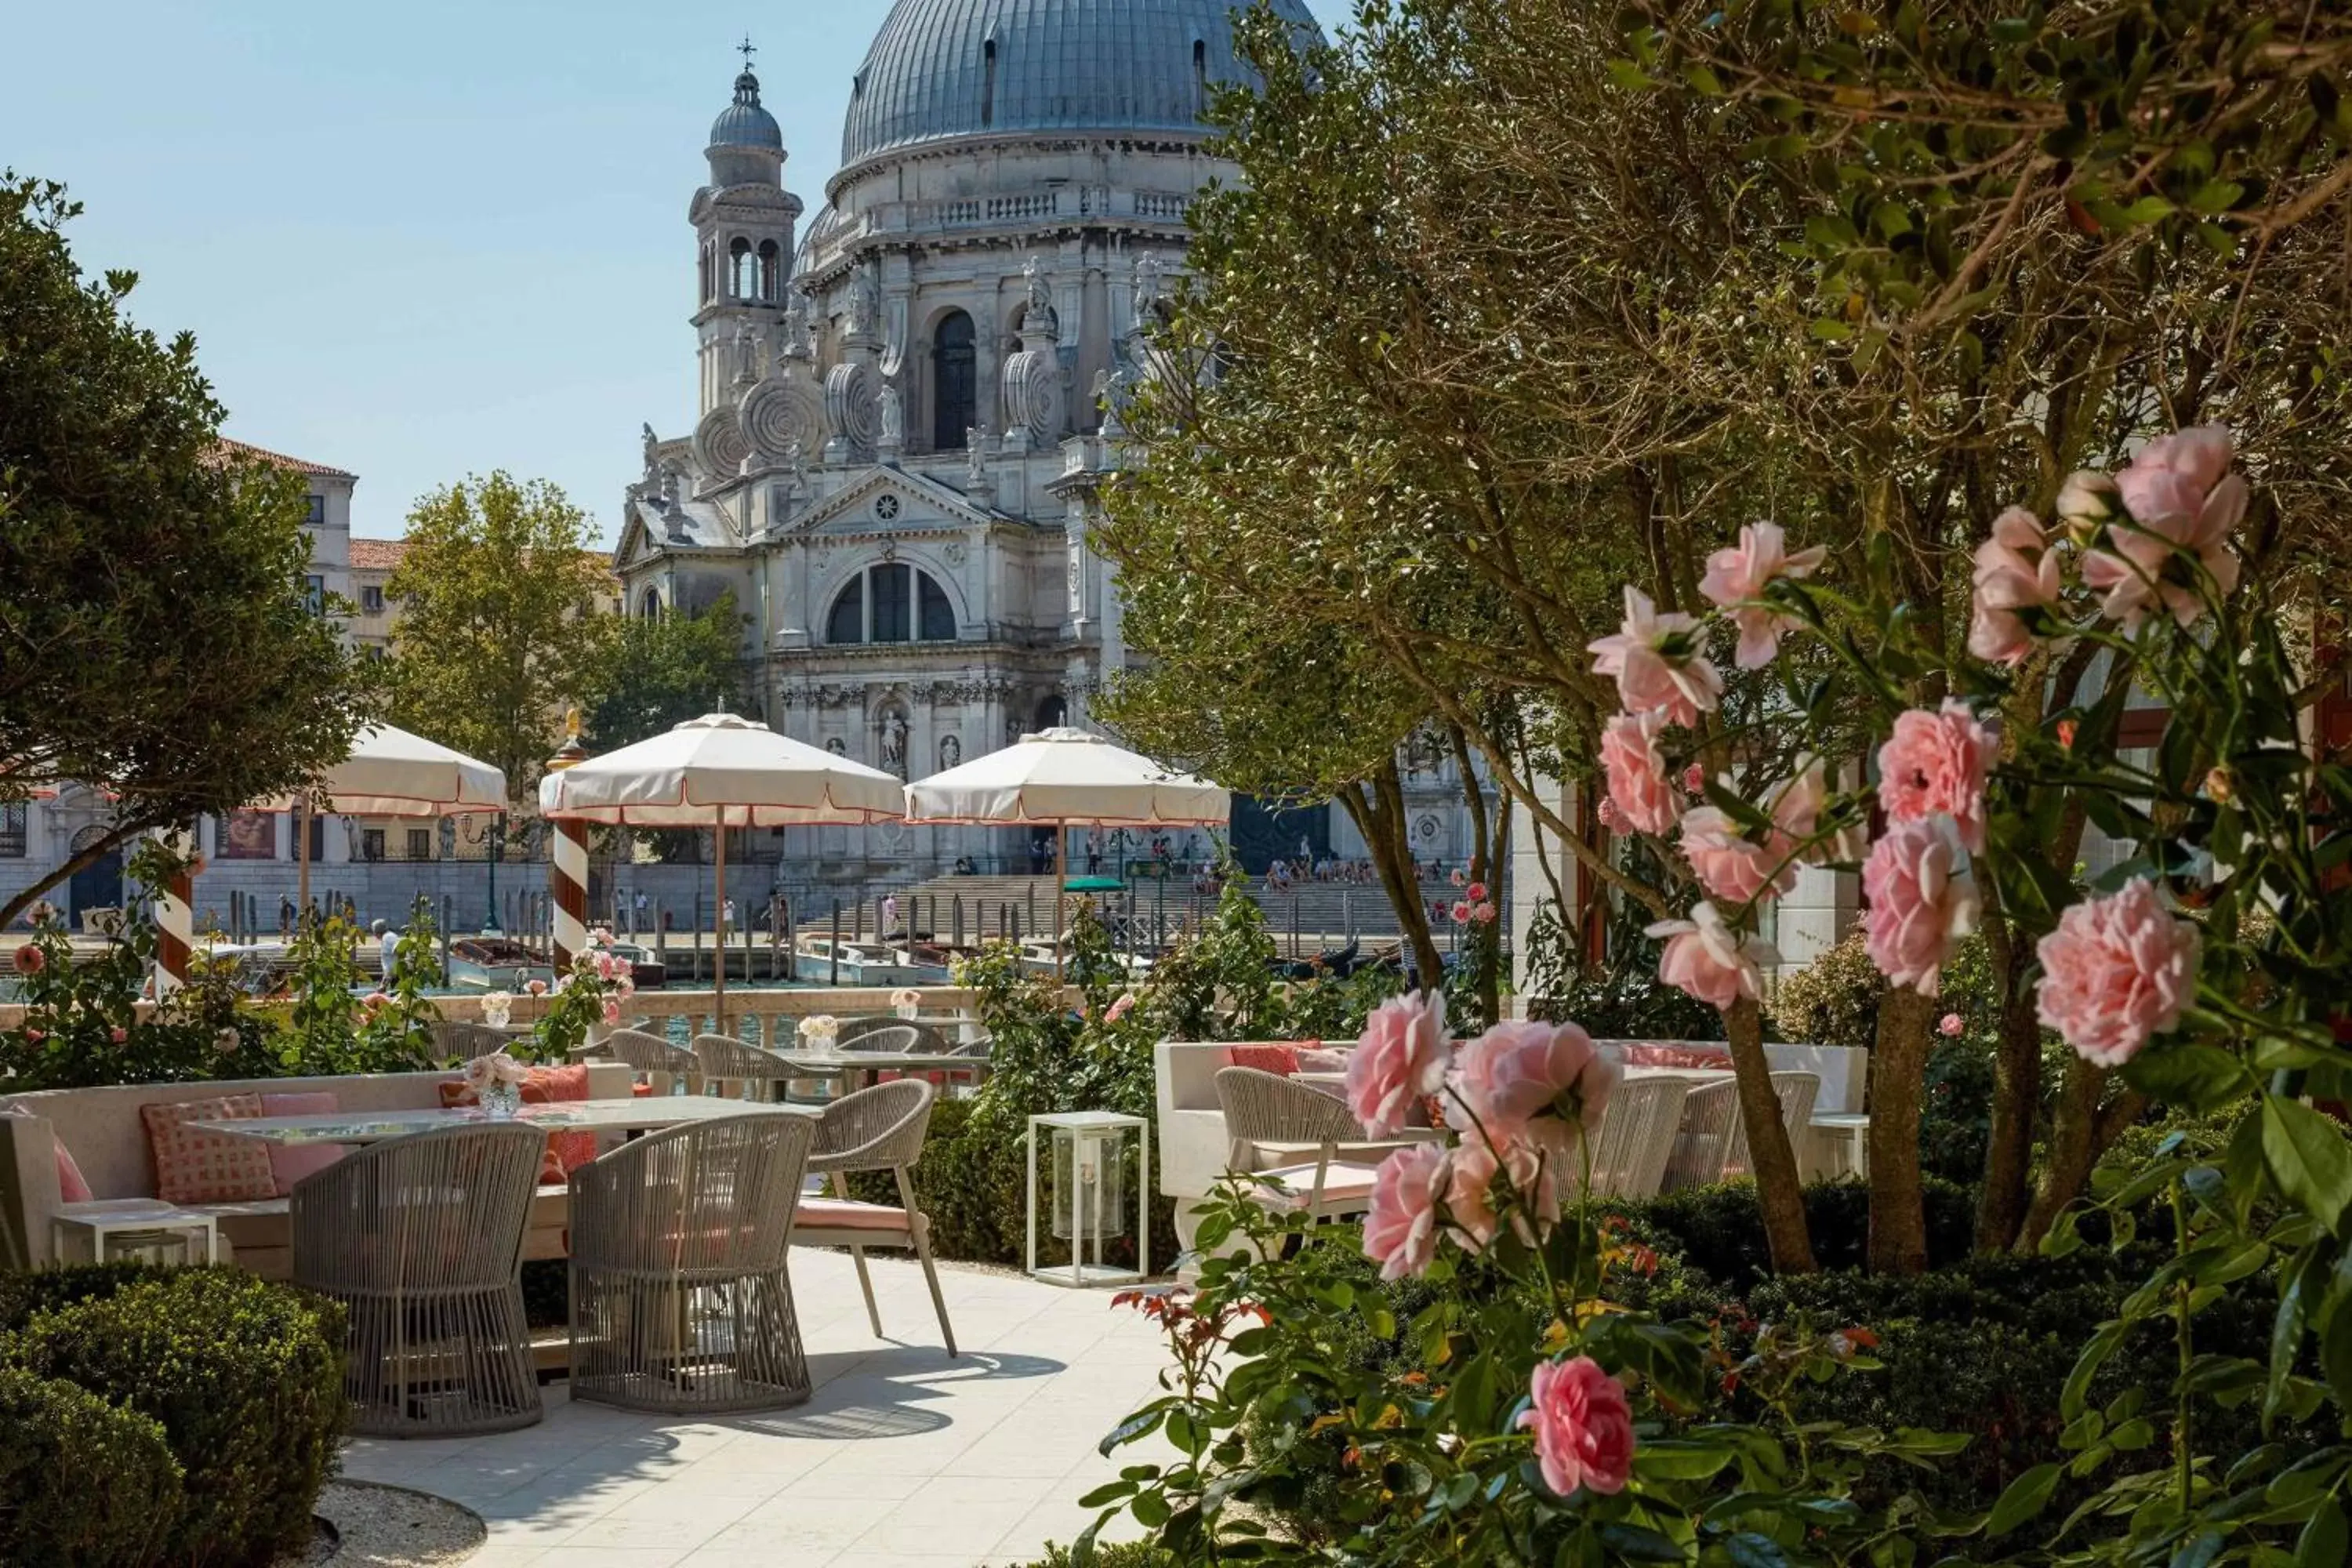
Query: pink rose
[[1583, 1427], [35, 1037], [1485, 913], [1694, 780], [1638, 791], [1399, 1060], [1606, 812], [1470, 1172], [2087, 500], [1475, 892], [118, 1034], [1459, 911], [1935, 762], [612, 1010], [1795, 809], [2184, 503], [1949, 1026], [2116, 970], [1118, 1009], [1736, 580], [1401, 1231], [1459, 876], [2016, 569], [1922, 902], [373, 1000], [31, 960], [1520, 1071], [1731, 869], [1707, 959], [1658, 663]]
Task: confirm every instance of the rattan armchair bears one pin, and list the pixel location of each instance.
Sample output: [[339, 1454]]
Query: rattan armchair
[[876, 1129], [420, 1238], [662, 1065], [461, 1042], [1712, 1143], [1637, 1137], [730, 1068], [888, 1033], [680, 1301], [1288, 1137]]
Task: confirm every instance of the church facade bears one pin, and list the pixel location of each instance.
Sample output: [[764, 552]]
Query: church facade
[[907, 411]]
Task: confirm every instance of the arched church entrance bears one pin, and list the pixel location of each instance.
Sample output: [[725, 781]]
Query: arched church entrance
[[99, 885]]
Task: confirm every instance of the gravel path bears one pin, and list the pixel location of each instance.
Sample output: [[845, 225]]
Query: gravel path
[[379, 1526]]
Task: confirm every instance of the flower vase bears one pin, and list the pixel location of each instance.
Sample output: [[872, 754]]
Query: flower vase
[[909, 1010], [502, 1101]]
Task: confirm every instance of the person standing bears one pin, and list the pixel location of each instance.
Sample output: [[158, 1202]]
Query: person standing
[[387, 946]]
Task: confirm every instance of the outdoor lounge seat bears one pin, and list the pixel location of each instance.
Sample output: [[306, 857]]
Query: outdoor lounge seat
[[1712, 1143], [876, 1129], [730, 1068], [680, 1300], [1636, 1138], [420, 1239], [1270, 1119], [664, 1067]]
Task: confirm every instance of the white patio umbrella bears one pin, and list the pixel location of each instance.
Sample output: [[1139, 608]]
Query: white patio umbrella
[[1060, 776], [720, 772], [391, 772]]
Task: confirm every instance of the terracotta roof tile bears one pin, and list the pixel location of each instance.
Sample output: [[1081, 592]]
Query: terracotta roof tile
[[377, 554], [299, 465]]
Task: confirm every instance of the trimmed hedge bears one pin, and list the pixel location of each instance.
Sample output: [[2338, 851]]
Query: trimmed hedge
[[1719, 1230], [84, 1483], [242, 1377]]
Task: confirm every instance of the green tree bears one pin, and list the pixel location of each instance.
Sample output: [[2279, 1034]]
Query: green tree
[[661, 669], [155, 637], [500, 629]]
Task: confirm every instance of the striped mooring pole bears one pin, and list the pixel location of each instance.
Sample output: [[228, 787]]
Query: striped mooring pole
[[175, 918], [567, 866]]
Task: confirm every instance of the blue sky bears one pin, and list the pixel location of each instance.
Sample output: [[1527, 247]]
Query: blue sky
[[427, 240]]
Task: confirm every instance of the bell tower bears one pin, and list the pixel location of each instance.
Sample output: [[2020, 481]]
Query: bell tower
[[743, 221]]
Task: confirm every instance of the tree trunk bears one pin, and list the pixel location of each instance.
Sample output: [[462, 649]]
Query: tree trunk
[[91, 855], [1778, 1195], [1898, 1067], [1377, 809], [2079, 1134], [2016, 1096], [1486, 943]]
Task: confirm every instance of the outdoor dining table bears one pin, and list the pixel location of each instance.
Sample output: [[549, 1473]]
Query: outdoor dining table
[[637, 1115], [844, 1066]]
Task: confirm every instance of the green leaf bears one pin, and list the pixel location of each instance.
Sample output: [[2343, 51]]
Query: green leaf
[[2309, 1158], [2202, 1078], [2147, 210], [1634, 1543], [2022, 1499], [1668, 1459], [2326, 1541]]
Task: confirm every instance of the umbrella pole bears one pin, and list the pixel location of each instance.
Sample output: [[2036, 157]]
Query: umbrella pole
[[1060, 894], [719, 920]]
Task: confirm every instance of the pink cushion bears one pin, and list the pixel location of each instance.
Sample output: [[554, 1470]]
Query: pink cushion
[[843, 1214], [1667, 1054], [1314, 1059], [290, 1163], [192, 1167], [1274, 1059], [72, 1187]]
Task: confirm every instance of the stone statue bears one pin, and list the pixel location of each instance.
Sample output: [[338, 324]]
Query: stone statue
[[975, 454], [1147, 284], [894, 416], [1040, 318], [653, 459], [796, 332], [950, 752], [746, 355], [894, 743], [837, 747], [864, 304], [668, 488]]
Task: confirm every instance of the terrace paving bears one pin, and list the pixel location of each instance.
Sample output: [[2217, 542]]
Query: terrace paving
[[904, 1455]]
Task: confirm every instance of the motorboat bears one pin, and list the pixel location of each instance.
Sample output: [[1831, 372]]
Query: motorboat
[[495, 963], [1043, 955], [860, 963]]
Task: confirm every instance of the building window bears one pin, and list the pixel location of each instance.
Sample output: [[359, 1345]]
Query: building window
[[988, 85], [314, 594], [12, 830], [420, 844], [771, 269], [370, 842], [318, 518], [954, 404], [891, 603], [742, 271], [650, 606], [371, 599]]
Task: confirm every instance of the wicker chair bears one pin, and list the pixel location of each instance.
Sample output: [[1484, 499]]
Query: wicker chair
[[456, 1042], [1637, 1137], [680, 1302], [876, 1129], [887, 1034], [420, 1238], [662, 1065], [730, 1068], [1271, 1117], [1712, 1144]]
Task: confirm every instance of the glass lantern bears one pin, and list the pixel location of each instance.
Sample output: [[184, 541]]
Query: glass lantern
[[1088, 1181], [1089, 1192]]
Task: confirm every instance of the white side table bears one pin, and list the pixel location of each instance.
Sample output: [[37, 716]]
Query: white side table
[[140, 1228], [1852, 1128], [1089, 1204]]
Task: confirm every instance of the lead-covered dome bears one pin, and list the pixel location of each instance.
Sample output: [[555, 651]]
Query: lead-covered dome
[[744, 123], [940, 68]]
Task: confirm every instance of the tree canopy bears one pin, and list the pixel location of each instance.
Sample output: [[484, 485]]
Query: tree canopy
[[156, 639], [661, 669]]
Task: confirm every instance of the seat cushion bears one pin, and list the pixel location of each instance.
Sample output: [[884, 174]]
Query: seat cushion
[[845, 1213], [72, 1188], [1282, 1059], [1665, 1054], [1342, 1182], [288, 1163], [194, 1167]]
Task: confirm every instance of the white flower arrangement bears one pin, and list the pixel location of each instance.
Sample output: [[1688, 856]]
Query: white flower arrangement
[[818, 1031], [497, 1008], [497, 1068], [905, 1001]]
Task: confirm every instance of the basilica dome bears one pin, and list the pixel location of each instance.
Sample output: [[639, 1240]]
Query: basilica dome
[[944, 69]]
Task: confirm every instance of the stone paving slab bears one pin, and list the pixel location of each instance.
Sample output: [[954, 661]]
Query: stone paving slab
[[903, 1457]]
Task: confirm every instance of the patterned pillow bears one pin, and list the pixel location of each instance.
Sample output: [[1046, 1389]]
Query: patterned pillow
[[1282, 1059], [194, 1167], [1661, 1053]]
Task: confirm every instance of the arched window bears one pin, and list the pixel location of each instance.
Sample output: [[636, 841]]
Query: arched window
[[742, 271], [955, 406], [1200, 77], [1053, 712], [769, 271], [649, 607], [988, 83], [709, 283], [892, 601]]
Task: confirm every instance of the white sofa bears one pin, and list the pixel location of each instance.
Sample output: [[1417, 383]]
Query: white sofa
[[1192, 1149], [101, 1129]]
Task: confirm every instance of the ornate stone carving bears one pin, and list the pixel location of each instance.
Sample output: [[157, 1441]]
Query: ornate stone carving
[[950, 752], [779, 416], [838, 746], [975, 457], [719, 443], [892, 731], [1033, 393], [746, 355], [970, 689], [850, 412], [1040, 318], [864, 304], [890, 406], [952, 553]]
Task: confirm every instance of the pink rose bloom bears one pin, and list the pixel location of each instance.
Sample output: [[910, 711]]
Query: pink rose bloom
[[35, 1037], [373, 1000], [1459, 911], [1795, 809], [1936, 764], [1583, 1427], [1658, 663], [1521, 1070], [2184, 503], [1118, 1009], [2016, 569], [1638, 790], [1707, 959], [2087, 500], [1401, 1231], [1922, 902], [1606, 812], [1485, 914], [31, 960], [1736, 580], [1475, 892], [1731, 869], [118, 1034], [1693, 779], [612, 1010], [1459, 876], [1399, 1060], [1470, 1172], [1950, 1026], [2116, 970]]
